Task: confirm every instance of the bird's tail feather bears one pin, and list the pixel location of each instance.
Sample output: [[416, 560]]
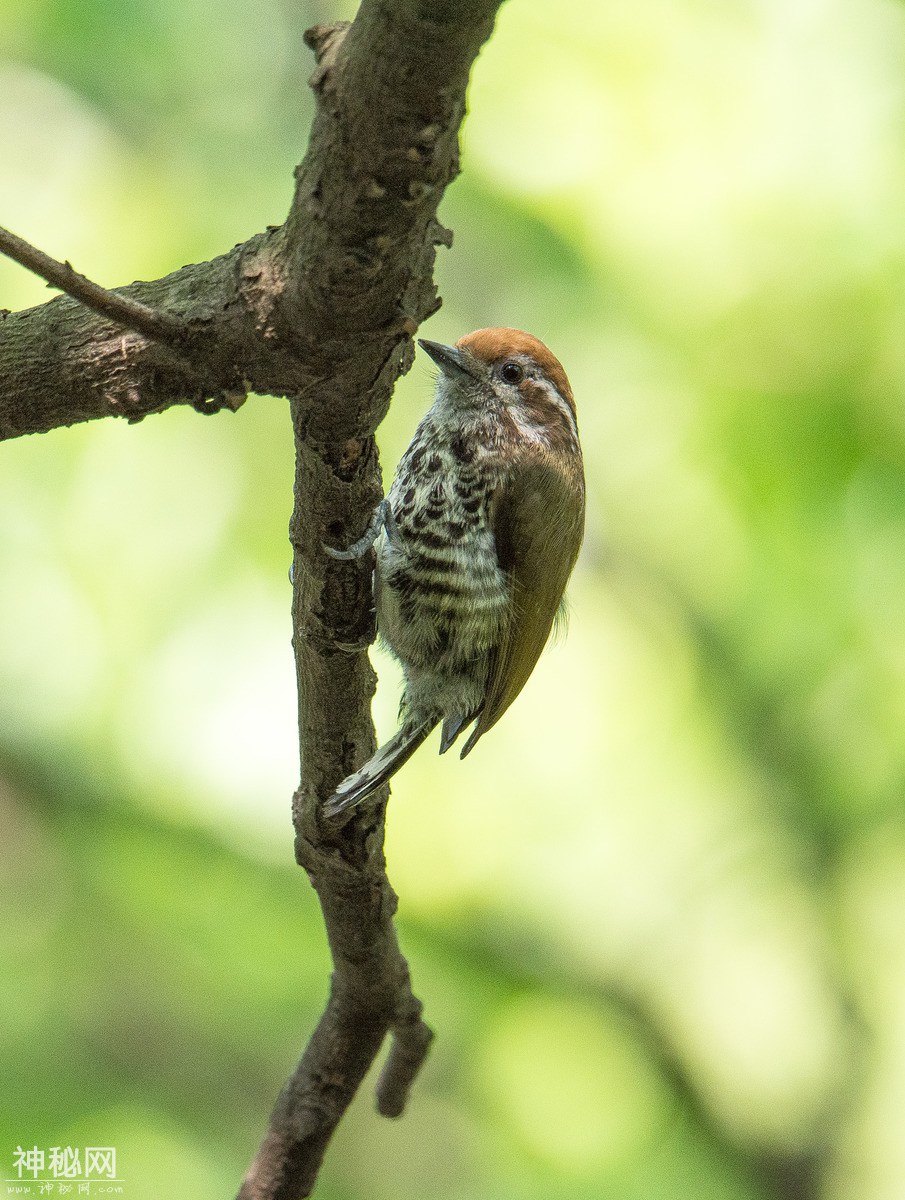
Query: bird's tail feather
[[383, 763]]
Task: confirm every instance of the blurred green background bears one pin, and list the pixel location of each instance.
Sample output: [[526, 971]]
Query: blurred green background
[[658, 921]]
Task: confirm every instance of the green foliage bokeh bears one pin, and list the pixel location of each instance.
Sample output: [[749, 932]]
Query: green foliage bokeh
[[658, 921]]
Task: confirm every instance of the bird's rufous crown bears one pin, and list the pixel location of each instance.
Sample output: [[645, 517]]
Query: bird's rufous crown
[[495, 345]]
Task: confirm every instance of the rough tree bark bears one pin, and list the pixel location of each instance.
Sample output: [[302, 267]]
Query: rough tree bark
[[321, 310]]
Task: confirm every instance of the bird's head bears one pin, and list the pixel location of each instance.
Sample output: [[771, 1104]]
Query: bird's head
[[512, 373]]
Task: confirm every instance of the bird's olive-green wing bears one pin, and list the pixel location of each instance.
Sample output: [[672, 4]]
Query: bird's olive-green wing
[[537, 517]]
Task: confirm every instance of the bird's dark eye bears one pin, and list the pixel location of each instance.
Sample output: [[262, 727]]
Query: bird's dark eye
[[511, 372]]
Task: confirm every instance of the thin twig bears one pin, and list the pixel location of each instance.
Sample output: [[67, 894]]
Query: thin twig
[[158, 326]]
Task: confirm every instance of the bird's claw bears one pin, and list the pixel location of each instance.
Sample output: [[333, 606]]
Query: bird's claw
[[382, 516]]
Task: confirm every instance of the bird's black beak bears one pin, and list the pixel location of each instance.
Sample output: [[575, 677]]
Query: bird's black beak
[[451, 360]]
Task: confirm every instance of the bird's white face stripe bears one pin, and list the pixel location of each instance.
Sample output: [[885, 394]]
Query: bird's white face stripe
[[528, 429], [553, 394], [536, 372], [564, 407]]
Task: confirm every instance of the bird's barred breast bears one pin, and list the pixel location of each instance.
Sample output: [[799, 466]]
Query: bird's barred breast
[[436, 618], [442, 597]]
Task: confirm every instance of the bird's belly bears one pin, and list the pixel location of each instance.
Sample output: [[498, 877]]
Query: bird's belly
[[441, 603]]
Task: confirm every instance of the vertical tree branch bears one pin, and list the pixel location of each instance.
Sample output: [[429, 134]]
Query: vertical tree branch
[[359, 252], [370, 992]]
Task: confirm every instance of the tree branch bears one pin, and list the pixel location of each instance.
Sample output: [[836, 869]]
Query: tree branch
[[358, 251], [132, 314], [275, 315], [321, 310], [61, 363]]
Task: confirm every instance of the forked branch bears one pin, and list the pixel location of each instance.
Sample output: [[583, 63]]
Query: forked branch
[[321, 310]]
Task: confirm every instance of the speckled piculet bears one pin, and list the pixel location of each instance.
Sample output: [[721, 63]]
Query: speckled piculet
[[475, 542]]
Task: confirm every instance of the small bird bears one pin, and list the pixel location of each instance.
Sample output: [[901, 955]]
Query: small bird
[[475, 543]]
